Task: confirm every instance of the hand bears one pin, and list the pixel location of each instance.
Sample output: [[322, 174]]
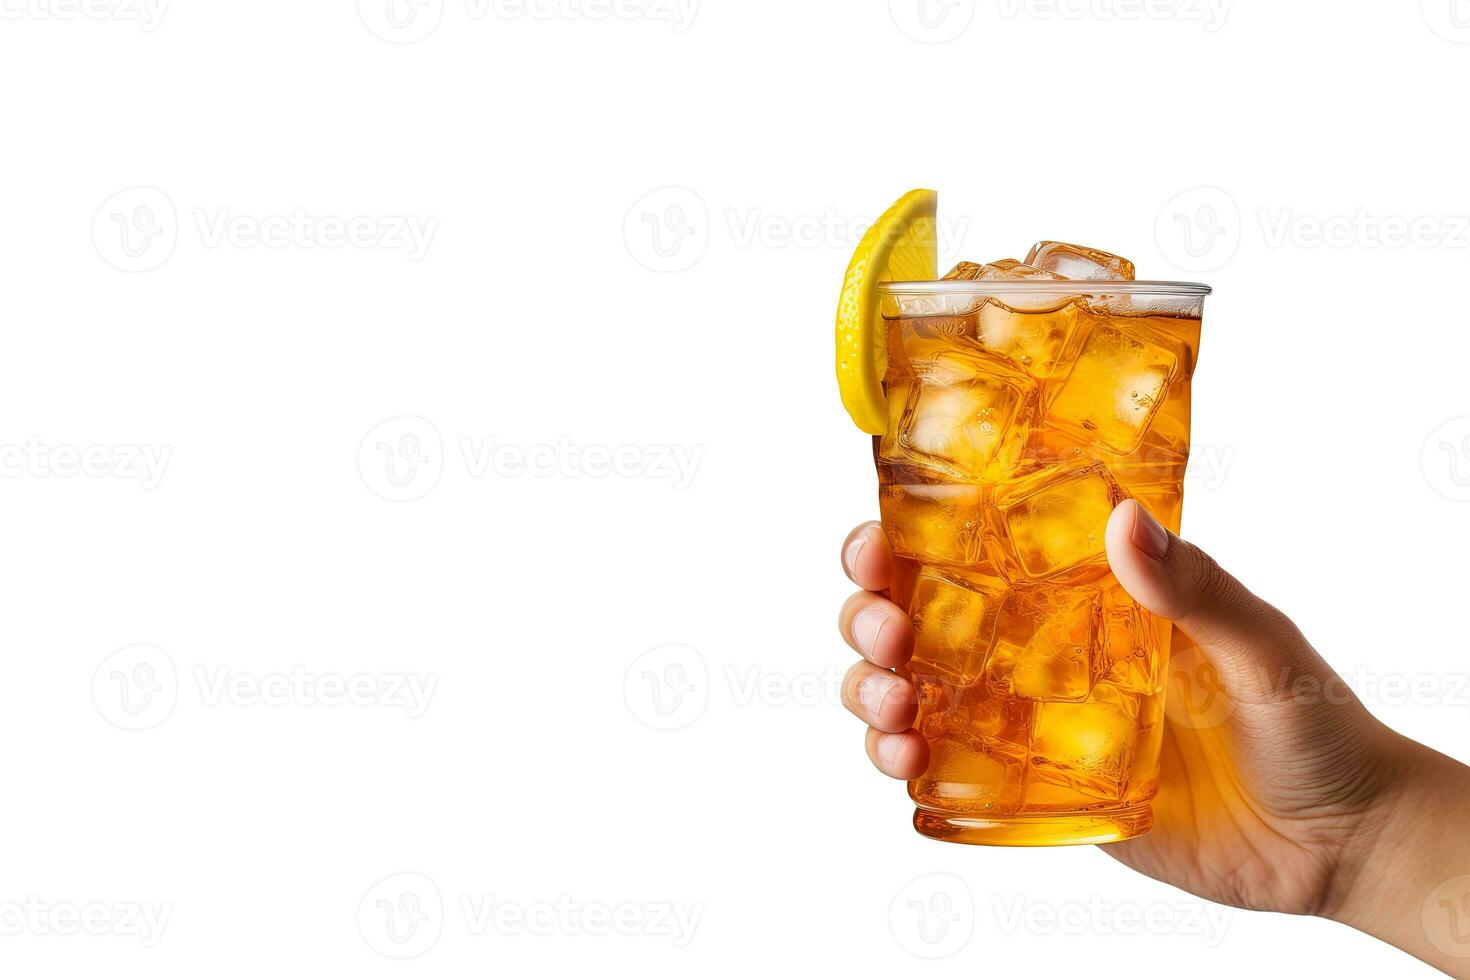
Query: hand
[[1286, 796]]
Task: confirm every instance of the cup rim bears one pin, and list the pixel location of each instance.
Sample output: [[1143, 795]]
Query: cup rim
[[1059, 287]]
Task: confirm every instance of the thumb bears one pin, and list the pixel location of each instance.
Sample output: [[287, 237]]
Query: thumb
[[1176, 580]]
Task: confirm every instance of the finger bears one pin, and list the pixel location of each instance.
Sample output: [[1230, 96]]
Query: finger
[[903, 755], [866, 557], [1176, 580], [879, 697], [877, 629]]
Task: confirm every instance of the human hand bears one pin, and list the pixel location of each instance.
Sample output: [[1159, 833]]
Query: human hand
[[1287, 795]]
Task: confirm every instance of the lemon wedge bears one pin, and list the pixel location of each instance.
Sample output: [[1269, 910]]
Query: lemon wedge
[[900, 246]]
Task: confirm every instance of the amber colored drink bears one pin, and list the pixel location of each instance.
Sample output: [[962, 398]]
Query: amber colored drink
[[1023, 407]]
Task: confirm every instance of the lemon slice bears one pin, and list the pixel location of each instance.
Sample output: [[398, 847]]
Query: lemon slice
[[900, 246]]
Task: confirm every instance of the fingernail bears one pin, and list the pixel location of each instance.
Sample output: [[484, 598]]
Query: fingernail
[[850, 555], [888, 746], [866, 626], [1149, 536], [874, 690]]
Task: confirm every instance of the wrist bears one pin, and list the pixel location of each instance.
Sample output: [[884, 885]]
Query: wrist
[[1404, 846]]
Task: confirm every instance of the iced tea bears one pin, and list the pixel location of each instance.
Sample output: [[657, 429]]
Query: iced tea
[[1026, 400]]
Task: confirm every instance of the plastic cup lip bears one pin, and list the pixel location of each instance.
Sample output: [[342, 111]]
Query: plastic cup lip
[[1059, 287]]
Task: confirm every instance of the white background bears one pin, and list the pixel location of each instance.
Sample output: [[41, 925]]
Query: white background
[[297, 392]]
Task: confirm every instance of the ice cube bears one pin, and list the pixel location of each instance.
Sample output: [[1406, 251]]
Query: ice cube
[[1045, 645], [964, 271], [953, 621], [1037, 341], [1055, 518], [969, 712], [939, 523], [1088, 747], [1012, 269], [964, 776], [1143, 781], [1078, 261], [897, 392], [915, 342], [1130, 661], [966, 419], [1116, 385]]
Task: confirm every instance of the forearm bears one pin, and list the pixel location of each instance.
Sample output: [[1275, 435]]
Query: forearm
[[1410, 882]]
